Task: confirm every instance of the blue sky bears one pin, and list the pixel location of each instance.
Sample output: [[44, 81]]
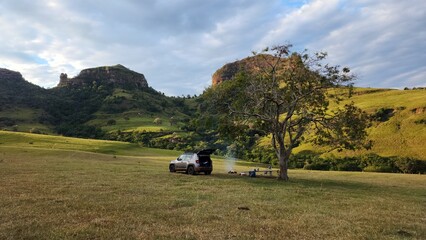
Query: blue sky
[[179, 44]]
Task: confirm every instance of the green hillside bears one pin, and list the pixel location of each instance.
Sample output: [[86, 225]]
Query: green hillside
[[97, 103], [116, 103], [402, 129]]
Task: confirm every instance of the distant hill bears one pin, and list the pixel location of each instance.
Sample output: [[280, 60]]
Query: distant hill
[[93, 103], [15, 90], [114, 102], [21, 102]]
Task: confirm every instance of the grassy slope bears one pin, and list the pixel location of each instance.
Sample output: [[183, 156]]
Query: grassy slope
[[53, 188], [26, 119], [136, 119], [400, 135]]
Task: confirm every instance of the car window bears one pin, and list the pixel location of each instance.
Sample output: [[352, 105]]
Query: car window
[[188, 157]]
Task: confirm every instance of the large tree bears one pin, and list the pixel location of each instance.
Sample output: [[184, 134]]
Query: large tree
[[287, 94]]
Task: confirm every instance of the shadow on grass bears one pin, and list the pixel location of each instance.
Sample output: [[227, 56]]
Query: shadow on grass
[[272, 181]]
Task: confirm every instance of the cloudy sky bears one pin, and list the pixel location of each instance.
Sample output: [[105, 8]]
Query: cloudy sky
[[178, 44]]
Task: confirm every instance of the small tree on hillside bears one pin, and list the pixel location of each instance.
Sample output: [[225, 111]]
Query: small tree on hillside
[[158, 121], [287, 94]]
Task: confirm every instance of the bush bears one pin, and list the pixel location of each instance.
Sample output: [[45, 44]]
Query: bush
[[378, 169], [348, 166], [410, 165], [111, 122], [383, 114], [317, 166], [35, 131], [381, 164]]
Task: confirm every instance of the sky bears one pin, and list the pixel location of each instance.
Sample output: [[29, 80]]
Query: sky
[[179, 44]]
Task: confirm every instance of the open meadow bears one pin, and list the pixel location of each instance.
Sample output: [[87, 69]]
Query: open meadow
[[66, 188]]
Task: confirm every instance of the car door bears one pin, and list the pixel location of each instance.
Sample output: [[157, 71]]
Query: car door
[[180, 162], [185, 160]]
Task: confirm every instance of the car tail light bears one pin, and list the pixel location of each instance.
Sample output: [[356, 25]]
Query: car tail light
[[197, 161]]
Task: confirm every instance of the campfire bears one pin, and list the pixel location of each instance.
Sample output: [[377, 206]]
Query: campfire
[[232, 171]]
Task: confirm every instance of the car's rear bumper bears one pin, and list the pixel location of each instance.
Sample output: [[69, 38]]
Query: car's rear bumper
[[203, 169]]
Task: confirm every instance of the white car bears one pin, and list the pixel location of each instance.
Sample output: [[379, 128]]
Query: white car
[[193, 163]]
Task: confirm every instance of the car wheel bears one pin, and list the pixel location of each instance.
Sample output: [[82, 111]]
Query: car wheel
[[208, 172], [191, 170], [172, 168]]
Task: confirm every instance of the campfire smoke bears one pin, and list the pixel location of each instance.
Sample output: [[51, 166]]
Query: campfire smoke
[[230, 164]]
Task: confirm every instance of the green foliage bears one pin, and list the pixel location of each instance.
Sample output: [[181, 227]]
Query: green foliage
[[421, 121], [7, 122], [410, 165], [111, 122], [346, 130], [366, 163], [383, 114]]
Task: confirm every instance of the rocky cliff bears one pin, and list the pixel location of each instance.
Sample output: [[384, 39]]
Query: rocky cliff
[[249, 64], [118, 76]]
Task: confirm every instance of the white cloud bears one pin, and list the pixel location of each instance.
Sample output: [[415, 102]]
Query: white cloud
[[178, 45], [379, 40]]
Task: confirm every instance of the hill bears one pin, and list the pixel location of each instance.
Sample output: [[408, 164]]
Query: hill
[[398, 123], [398, 116], [97, 103], [113, 102], [21, 102]]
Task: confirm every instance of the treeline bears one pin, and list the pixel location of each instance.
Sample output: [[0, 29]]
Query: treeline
[[366, 163]]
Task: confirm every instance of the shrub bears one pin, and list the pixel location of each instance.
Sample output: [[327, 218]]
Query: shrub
[[410, 165], [383, 114], [317, 166], [111, 122], [158, 121], [380, 163], [348, 166], [377, 169], [36, 131]]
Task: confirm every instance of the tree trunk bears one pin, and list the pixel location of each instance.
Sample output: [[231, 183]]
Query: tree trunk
[[283, 157]]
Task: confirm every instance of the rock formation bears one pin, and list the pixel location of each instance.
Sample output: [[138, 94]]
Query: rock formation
[[249, 64], [118, 76]]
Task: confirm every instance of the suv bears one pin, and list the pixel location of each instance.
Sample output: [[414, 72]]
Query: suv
[[193, 163]]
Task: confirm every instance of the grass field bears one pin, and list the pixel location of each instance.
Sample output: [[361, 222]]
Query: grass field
[[66, 188], [134, 123]]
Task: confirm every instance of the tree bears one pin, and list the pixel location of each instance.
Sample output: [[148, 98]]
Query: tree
[[287, 94], [172, 121], [158, 121]]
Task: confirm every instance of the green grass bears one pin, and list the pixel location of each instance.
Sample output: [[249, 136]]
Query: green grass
[[26, 119], [133, 123], [63, 188], [400, 135]]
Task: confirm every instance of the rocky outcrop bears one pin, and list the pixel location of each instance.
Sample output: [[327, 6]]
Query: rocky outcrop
[[249, 64], [9, 75], [118, 76]]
